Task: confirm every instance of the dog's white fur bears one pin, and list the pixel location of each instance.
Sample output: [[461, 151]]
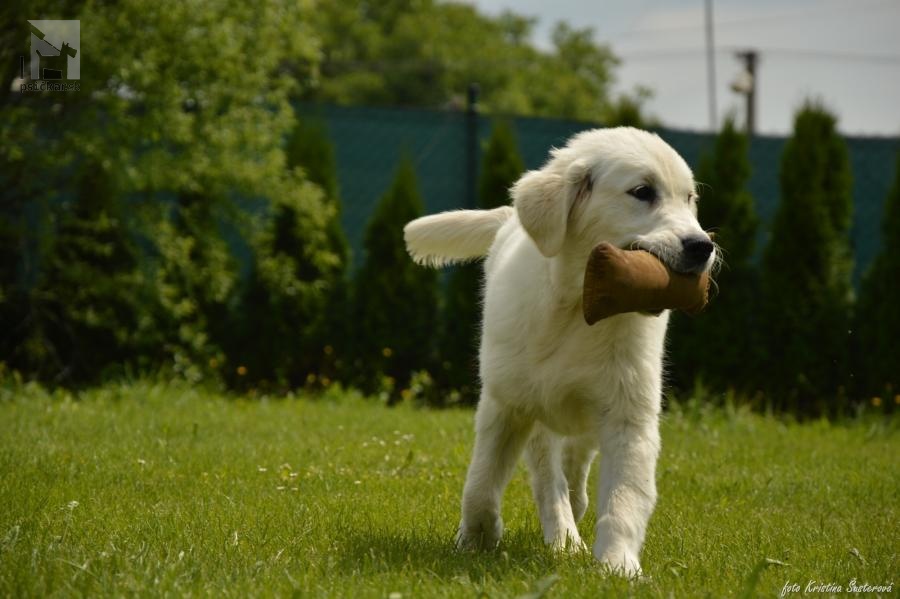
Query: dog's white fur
[[551, 385]]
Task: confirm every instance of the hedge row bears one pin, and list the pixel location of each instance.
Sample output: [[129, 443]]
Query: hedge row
[[204, 288]]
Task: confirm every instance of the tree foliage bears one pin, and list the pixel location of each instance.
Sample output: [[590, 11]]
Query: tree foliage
[[285, 306], [311, 150], [720, 345], [425, 53], [877, 317], [188, 106], [85, 312], [195, 276], [294, 305], [395, 300], [806, 269]]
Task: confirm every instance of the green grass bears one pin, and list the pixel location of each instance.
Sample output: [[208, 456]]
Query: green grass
[[149, 489]]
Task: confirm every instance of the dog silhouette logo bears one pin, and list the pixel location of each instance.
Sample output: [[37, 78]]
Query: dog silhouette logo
[[55, 49]]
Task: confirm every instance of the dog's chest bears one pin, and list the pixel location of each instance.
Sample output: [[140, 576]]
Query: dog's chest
[[570, 379]]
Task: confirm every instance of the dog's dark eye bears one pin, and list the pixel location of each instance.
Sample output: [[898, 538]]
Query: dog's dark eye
[[644, 193]]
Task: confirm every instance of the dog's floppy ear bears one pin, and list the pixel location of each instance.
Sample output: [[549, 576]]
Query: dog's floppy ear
[[543, 201]]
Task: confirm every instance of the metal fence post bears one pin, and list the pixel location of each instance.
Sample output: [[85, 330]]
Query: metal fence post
[[471, 144]]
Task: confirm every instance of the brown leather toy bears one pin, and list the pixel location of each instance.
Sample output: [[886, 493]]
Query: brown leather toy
[[618, 281]]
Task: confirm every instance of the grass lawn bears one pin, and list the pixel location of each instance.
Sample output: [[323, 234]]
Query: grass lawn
[[159, 489]]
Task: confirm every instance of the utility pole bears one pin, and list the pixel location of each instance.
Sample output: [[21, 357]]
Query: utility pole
[[711, 68], [471, 144], [748, 86]]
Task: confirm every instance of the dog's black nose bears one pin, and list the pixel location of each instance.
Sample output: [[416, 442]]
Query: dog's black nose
[[696, 250]]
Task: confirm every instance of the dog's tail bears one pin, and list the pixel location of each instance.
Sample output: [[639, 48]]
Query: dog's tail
[[456, 236]]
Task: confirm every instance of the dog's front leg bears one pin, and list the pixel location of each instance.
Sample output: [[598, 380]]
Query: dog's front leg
[[499, 438], [629, 448]]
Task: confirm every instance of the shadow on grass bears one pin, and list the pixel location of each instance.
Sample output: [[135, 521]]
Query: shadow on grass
[[520, 552]]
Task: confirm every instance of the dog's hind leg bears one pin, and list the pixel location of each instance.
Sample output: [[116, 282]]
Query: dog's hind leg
[[544, 455], [578, 453], [499, 438]]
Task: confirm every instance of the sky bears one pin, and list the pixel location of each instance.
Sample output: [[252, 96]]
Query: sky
[[844, 53]]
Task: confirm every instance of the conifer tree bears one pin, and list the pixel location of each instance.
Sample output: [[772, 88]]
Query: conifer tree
[[296, 296], [286, 298], [720, 345], [806, 270], [310, 149], [460, 328], [87, 305], [876, 360], [395, 300]]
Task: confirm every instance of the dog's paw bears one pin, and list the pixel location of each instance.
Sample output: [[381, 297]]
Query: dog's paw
[[481, 533], [620, 563], [566, 541]]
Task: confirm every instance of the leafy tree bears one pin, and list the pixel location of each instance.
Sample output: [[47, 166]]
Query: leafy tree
[[876, 360], [195, 278], [501, 166], [425, 53], [201, 126], [806, 269], [719, 345], [395, 300]]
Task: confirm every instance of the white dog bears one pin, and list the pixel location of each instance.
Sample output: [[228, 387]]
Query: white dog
[[552, 385]]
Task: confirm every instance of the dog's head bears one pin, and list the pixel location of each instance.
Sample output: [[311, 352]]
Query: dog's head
[[624, 186]]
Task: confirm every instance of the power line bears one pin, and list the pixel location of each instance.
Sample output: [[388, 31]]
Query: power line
[[854, 9], [835, 55], [812, 54]]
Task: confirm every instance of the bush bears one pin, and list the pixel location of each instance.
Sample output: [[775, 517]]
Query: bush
[[310, 149], [85, 310], [877, 362], [395, 300], [286, 301], [806, 270], [195, 279], [719, 345], [501, 166]]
